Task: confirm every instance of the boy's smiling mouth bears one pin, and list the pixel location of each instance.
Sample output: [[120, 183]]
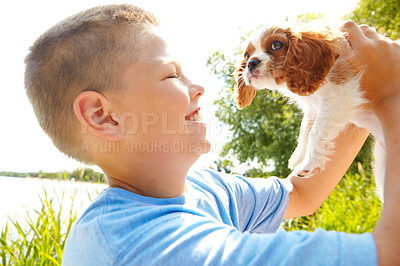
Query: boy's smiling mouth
[[194, 116]]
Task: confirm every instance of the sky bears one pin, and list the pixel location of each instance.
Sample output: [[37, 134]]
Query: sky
[[198, 27]]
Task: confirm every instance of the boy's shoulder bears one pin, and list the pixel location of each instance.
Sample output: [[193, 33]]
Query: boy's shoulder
[[209, 177], [235, 183]]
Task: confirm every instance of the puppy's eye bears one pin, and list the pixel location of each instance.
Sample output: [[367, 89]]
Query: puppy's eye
[[246, 56], [276, 45]]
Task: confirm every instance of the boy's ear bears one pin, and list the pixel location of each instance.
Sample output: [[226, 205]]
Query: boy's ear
[[93, 111]]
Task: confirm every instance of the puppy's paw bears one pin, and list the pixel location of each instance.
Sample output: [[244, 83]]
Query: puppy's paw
[[306, 173], [307, 169]]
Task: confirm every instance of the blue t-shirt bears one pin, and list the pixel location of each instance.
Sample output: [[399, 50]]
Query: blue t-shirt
[[222, 220]]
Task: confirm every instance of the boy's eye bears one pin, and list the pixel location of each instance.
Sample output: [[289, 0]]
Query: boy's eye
[[174, 76]]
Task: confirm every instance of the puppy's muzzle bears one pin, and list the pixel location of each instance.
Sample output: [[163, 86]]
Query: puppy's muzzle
[[253, 63]]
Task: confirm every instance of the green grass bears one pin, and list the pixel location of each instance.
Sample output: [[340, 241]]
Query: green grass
[[352, 207], [41, 240]]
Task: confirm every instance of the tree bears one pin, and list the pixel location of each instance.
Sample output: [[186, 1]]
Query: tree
[[265, 131], [384, 15], [223, 166], [88, 175]]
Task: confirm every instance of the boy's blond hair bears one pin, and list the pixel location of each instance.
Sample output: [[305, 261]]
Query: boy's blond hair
[[85, 52]]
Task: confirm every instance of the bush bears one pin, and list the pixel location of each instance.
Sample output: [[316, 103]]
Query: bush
[[42, 241], [353, 207]]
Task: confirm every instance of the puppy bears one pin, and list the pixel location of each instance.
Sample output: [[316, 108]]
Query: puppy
[[310, 67]]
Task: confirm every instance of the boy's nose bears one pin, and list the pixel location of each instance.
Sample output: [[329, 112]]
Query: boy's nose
[[195, 91]]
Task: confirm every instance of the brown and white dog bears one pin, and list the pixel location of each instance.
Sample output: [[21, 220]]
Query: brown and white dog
[[310, 67]]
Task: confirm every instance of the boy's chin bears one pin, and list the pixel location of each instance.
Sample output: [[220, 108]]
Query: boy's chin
[[206, 147], [193, 147]]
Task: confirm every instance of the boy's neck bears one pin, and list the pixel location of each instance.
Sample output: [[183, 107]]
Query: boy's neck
[[150, 178], [159, 192]]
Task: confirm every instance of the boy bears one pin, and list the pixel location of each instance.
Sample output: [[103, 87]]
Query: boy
[[128, 108]]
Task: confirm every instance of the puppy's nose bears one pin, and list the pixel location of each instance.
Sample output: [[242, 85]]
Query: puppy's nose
[[253, 63]]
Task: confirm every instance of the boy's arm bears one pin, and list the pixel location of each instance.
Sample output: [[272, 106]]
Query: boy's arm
[[381, 81], [309, 193], [387, 231]]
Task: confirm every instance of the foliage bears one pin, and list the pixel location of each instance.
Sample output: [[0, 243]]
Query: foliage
[[353, 207], [80, 174], [41, 242], [382, 14], [223, 166], [308, 17], [13, 174], [88, 175]]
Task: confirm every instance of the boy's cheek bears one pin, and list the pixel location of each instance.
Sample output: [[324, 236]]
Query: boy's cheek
[[154, 124]]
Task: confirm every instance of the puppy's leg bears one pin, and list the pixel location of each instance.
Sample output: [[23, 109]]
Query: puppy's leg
[[325, 129], [301, 149], [369, 121], [379, 168]]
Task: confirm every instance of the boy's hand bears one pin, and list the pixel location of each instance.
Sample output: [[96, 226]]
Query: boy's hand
[[378, 57]]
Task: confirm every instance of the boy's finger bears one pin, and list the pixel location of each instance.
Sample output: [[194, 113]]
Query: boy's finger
[[353, 33], [369, 32]]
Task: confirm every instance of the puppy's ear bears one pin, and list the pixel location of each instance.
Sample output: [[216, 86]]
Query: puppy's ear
[[243, 94], [310, 57]]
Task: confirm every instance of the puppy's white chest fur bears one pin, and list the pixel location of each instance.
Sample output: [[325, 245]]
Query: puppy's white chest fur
[[327, 113]]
